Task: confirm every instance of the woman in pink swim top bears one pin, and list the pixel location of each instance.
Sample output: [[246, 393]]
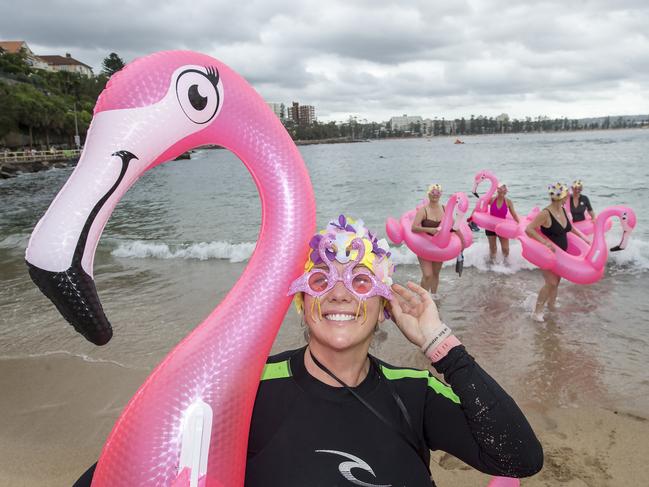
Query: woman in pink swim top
[[498, 207]]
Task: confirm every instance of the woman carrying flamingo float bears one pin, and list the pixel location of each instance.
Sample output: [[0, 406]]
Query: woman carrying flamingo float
[[188, 424], [490, 211], [435, 233], [580, 211], [552, 243]]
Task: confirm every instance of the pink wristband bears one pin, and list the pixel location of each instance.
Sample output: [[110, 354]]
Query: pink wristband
[[443, 348]]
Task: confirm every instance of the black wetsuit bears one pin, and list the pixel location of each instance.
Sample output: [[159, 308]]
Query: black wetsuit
[[306, 433], [579, 211], [555, 232]]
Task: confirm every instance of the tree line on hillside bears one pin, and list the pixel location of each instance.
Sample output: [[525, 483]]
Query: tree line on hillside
[[44, 106], [355, 129], [47, 106]]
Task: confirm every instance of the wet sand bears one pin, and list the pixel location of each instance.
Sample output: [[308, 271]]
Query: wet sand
[[60, 408]]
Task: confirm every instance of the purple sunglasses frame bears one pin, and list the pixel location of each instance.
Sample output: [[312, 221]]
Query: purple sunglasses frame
[[301, 284]]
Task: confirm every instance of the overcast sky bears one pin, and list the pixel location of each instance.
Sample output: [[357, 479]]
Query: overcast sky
[[375, 59]]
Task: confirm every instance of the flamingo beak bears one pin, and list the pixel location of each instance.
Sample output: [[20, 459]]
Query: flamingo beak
[[72, 289]]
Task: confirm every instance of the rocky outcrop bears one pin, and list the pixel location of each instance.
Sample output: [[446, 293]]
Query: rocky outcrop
[[11, 169]]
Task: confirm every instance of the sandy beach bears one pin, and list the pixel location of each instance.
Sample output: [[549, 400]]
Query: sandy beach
[[176, 245], [75, 402]]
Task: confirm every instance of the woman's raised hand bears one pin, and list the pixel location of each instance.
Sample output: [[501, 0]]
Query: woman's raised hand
[[414, 312]]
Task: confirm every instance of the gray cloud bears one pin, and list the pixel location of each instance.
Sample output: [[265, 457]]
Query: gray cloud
[[376, 58]]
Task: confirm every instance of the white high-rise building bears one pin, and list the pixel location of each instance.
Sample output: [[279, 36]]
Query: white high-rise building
[[404, 122], [278, 109]]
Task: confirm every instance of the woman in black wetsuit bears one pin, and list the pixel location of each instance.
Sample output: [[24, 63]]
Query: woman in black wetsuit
[[329, 414], [554, 225], [579, 203]]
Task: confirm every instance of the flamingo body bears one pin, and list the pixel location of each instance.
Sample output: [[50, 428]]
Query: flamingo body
[[156, 108], [444, 245]]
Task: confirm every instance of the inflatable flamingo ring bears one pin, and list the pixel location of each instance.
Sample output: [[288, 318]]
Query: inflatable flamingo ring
[[445, 244], [581, 263], [481, 215], [194, 409]]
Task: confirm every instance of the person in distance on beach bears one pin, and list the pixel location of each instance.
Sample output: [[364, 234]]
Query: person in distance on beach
[[498, 207], [427, 220], [579, 203], [554, 225]]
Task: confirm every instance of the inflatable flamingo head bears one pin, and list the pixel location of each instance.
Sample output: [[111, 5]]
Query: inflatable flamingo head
[[481, 176], [153, 110], [627, 220]]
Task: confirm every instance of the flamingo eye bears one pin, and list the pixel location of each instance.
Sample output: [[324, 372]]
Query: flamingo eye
[[199, 94]]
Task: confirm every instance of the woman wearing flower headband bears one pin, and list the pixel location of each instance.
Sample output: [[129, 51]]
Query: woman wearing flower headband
[[427, 220], [554, 225], [579, 203], [331, 414], [498, 207]]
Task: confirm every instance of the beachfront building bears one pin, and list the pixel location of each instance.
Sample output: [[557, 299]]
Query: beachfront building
[[301, 114], [67, 63], [14, 47], [406, 123], [278, 109]]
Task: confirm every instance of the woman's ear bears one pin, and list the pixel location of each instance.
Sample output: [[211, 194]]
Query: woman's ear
[[381, 313]]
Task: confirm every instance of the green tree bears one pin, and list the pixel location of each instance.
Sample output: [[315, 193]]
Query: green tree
[[112, 63]]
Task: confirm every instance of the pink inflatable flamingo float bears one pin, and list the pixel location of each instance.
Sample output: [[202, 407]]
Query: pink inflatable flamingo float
[[445, 245], [194, 409], [188, 423], [481, 215], [581, 263]]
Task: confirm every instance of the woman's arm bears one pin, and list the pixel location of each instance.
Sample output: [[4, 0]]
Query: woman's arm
[[479, 423], [589, 207], [510, 205], [576, 231], [476, 421]]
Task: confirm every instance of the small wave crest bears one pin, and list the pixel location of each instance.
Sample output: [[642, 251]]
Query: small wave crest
[[200, 251], [635, 256]]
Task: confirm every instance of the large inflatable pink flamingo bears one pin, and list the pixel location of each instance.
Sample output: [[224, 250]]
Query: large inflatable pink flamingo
[[444, 245], [481, 215], [189, 421], [581, 263]]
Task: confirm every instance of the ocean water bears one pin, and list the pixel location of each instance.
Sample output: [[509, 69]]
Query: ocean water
[[181, 236]]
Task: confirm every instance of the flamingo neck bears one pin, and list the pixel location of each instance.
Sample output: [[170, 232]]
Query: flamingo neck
[[598, 245], [492, 188], [447, 219]]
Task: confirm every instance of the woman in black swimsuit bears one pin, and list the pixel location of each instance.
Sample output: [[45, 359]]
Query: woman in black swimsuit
[[554, 225], [579, 203]]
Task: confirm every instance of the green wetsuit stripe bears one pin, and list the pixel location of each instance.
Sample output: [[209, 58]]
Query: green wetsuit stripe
[[433, 383], [279, 370]]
